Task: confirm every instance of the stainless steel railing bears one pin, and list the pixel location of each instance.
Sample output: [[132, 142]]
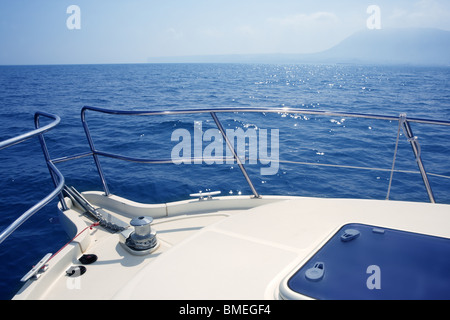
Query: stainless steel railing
[[403, 121], [56, 175], [59, 181]]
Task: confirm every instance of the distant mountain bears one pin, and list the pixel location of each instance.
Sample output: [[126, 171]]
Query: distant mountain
[[404, 46], [385, 46]]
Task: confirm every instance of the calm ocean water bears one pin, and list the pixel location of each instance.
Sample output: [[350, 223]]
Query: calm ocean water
[[64, 90]]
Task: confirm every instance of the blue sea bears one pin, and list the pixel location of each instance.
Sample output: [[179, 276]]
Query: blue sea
[[422, 92]]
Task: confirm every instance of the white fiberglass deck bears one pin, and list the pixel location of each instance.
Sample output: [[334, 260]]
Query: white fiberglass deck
[[225, 248]]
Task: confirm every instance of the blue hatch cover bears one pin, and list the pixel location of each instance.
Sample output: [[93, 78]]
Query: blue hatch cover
[[366, 262]]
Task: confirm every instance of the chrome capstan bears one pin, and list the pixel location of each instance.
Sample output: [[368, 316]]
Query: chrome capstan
[[142, 240]]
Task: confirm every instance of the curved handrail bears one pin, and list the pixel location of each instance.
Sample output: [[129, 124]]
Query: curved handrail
[[58, 187], [23, 137]]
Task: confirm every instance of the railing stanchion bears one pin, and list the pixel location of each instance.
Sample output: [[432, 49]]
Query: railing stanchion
[[44, 148], [238, 160], [94, 153], [416, 149]]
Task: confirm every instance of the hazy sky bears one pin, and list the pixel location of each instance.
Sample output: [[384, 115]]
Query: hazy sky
[[131, 31]]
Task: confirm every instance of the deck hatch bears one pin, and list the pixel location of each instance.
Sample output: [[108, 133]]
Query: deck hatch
[[378, 264]]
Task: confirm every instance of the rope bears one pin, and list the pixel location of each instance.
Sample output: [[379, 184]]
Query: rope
[[89, 227]]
